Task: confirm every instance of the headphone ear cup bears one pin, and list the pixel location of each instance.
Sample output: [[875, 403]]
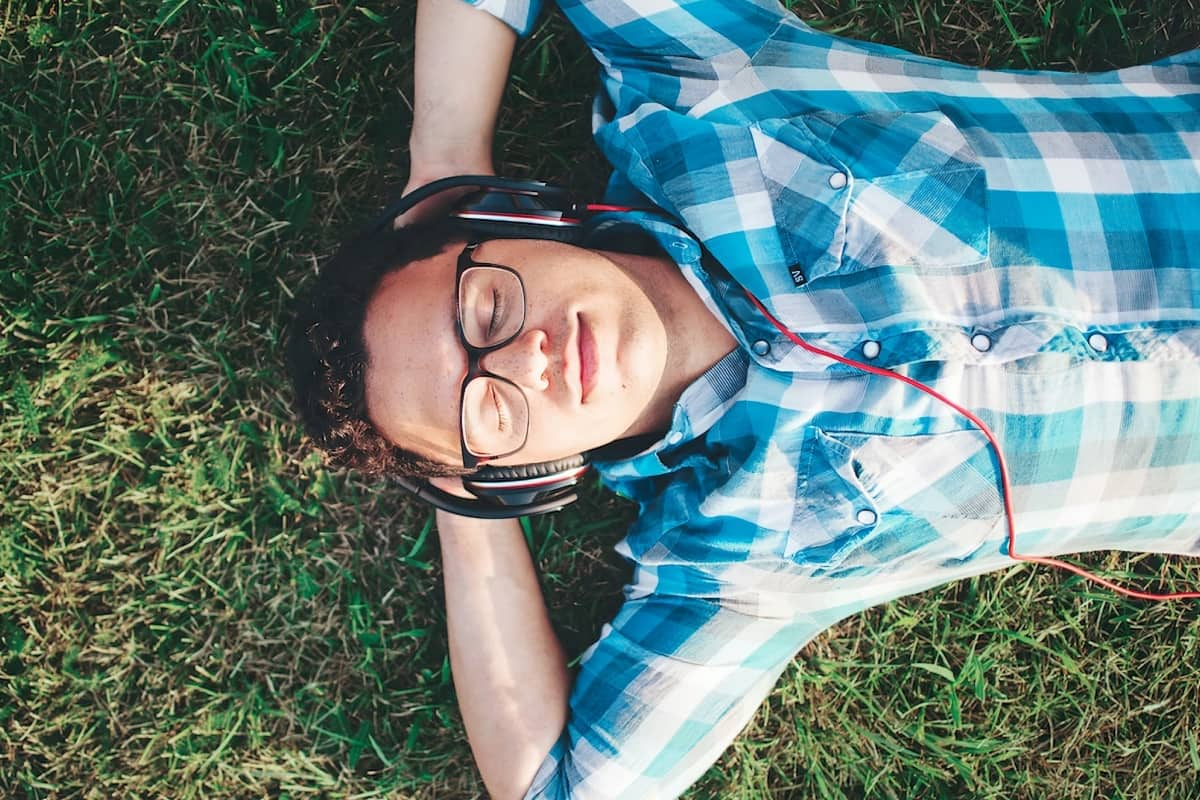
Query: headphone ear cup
[[481, 229], [521, 212], [527, 471], [529, 485]]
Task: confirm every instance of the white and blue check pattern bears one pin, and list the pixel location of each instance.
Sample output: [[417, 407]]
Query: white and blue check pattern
[[1026, 243]]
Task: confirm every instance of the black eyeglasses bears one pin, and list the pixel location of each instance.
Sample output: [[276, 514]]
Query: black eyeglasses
[[491, 313]]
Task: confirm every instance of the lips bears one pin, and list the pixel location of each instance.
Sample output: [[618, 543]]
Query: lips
[[587, 360]]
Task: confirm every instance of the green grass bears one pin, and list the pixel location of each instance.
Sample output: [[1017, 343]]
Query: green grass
[[191, 606]]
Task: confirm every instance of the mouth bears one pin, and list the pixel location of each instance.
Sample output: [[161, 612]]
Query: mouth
[[587, 360]]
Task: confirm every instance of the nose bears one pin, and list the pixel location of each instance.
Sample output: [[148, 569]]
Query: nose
[[524, 360]]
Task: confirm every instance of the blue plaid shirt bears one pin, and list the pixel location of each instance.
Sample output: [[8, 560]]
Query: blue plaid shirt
[[1026, 243]]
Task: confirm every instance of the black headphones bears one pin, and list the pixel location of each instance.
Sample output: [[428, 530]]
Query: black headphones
[[502, 208]]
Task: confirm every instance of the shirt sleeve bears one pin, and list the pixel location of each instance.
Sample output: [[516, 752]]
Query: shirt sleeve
[[648, 30], [669, 684], [516, 14]]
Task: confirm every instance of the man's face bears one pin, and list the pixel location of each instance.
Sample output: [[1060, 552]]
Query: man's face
[[589, 358]]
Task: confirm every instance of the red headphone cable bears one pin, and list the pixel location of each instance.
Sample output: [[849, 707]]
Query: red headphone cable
[[1004, 480]]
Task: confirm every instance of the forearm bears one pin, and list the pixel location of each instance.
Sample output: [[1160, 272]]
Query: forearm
[[509, 671], [461, 68]]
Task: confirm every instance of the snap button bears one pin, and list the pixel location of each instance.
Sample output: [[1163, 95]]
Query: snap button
[[837, 180], [761, 347], [1098, 342], [981, 342], [675, 437], [871, 349], [866, 517]]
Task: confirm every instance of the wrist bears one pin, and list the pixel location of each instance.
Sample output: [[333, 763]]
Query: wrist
[[456, 532], [446, 157]]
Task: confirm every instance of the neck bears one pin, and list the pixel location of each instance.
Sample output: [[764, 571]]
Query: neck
[[696, 338]]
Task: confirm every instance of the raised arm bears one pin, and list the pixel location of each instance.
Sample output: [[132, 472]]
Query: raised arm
[[670, 683], [509, 670], [461, 68]]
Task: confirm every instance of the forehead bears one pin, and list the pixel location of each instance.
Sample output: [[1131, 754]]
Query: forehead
[[414, 361]]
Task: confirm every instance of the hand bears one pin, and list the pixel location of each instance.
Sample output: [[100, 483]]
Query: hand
[[452, 486], [437, 206], [459, 75]]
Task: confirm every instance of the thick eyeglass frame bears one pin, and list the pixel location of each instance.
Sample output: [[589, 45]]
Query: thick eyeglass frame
[[466, 260]]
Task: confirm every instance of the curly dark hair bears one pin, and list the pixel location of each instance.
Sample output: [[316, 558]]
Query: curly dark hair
[[327, 356]]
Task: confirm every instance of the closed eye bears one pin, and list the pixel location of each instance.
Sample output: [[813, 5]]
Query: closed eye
[[497, 313], [502, 421]]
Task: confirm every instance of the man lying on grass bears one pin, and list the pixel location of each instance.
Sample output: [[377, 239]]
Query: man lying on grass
[[1026, 244]]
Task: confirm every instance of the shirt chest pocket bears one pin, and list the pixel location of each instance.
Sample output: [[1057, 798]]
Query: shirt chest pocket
[[880, 502], [907, 188]]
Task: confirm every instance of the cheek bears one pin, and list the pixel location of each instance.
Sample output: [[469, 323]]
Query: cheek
[[643, 355], [556, 434]]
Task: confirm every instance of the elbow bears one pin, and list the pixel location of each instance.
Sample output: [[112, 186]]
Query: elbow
[[525, 771], [536, 774]]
